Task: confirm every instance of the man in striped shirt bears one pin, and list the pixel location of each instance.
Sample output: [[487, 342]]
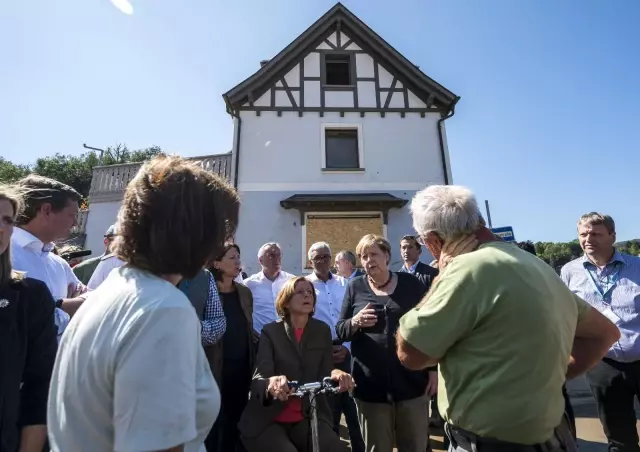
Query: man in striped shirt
[[610, 282]]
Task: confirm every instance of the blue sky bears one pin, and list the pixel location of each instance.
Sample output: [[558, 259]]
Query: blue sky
[[546, 128]]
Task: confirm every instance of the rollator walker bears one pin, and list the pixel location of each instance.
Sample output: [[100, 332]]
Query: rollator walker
[[326, 386]]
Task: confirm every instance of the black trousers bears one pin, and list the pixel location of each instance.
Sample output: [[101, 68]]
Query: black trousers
[[568, 412], [615, 386], [234, 394]]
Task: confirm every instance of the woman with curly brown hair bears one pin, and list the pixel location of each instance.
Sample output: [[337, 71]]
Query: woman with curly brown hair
[[295, 348], [131, 373]]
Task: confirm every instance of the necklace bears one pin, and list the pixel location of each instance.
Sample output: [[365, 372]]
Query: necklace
[[381, 286]]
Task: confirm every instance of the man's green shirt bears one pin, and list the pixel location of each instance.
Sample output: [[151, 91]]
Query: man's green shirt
[[502, 324]]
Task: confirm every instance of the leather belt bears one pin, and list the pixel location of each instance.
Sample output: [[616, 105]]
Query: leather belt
[[474, 443]]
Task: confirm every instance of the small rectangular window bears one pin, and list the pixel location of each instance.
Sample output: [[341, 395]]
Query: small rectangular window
[[337, 70], [341, 149]]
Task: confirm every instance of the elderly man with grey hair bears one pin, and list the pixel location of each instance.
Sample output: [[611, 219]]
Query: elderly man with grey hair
[[266, 284], [502, 326]]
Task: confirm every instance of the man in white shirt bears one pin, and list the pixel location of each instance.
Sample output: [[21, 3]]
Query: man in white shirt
[[330, 291], [266, 284], [51, 211]]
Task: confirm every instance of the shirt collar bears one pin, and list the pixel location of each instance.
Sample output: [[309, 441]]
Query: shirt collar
[[263, 277], [353, 275], [411, 269], [25, 239], [313, 277], [617, 257]]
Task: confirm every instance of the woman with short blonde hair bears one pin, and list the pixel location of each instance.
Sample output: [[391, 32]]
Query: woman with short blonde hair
[[392, 400], [295, 348]]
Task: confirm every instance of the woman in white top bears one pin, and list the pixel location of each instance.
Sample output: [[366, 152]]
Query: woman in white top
[[131, 374]]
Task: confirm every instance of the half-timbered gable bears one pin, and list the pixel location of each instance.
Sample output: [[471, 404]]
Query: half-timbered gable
[[340, 65]]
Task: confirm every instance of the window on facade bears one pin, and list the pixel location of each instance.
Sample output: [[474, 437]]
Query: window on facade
[[337, 70], [341, 149]]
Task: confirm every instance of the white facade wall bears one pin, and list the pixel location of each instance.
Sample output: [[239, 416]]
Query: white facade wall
[[101, 216], [285, 153]]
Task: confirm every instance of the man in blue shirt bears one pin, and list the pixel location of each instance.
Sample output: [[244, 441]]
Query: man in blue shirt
[[610, 282]]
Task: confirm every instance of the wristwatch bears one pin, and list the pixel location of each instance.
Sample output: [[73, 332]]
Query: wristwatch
[[59, 303]]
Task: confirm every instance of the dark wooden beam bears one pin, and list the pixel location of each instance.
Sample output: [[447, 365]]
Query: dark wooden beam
[[289, 94], [390, 93]]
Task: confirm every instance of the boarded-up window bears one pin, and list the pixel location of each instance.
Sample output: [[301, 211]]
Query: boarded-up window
[[341, 231]]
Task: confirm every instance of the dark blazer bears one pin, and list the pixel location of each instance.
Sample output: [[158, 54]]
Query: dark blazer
[[215, 353], [425, 273], [279, 353], [28, 346], [358, 273]]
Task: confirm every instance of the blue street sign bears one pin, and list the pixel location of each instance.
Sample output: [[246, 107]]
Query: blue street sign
[[505, 233]]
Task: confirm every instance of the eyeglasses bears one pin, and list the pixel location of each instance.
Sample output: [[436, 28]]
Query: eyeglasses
[[321, 258]]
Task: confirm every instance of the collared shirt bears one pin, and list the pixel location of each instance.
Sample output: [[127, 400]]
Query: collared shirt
[[615, 292], [329, 297], [106, 265], [264, 293], [30, 255], [354, 274], [411, 269], [214, 323]]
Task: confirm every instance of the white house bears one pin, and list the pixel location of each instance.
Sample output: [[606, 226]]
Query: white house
[[332, 137]]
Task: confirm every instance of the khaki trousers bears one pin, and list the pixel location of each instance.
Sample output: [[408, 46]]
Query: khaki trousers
[[403, 425]]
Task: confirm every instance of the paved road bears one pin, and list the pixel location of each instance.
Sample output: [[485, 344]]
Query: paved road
[[590, 435]]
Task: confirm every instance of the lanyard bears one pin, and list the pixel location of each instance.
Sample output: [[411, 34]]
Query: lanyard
[[612, 280]]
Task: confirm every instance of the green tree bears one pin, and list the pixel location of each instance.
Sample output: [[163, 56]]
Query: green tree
[[10, 172], [75, 171]]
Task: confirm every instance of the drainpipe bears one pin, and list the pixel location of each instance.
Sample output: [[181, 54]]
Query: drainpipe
[[237, 141], [443, 152]]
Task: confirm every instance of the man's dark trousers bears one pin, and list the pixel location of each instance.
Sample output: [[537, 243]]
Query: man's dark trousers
[[615, 386]]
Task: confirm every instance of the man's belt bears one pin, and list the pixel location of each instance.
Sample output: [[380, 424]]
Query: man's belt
[[472, 442]]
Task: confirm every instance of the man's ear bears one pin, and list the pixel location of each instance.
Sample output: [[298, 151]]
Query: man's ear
[[45, 209]]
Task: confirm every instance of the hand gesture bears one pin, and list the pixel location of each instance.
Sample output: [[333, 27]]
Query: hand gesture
[[365, 318], [455, 248], [278, 388], [345, 381]]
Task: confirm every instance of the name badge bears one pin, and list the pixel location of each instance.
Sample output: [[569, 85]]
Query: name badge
[[608, 313]]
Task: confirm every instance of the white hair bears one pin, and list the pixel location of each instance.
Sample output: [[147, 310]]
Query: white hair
[[450, 211], [318, 246], [263, 249]]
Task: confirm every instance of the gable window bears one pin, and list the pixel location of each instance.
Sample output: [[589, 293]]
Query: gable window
[[337, 69], [341, 149]]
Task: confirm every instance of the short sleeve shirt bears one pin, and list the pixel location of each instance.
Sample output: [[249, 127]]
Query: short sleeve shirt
[[102, 271], [131, 374], [502, 324]]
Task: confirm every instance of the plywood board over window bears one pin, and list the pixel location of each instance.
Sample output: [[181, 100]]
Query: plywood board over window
[[341, 231]]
